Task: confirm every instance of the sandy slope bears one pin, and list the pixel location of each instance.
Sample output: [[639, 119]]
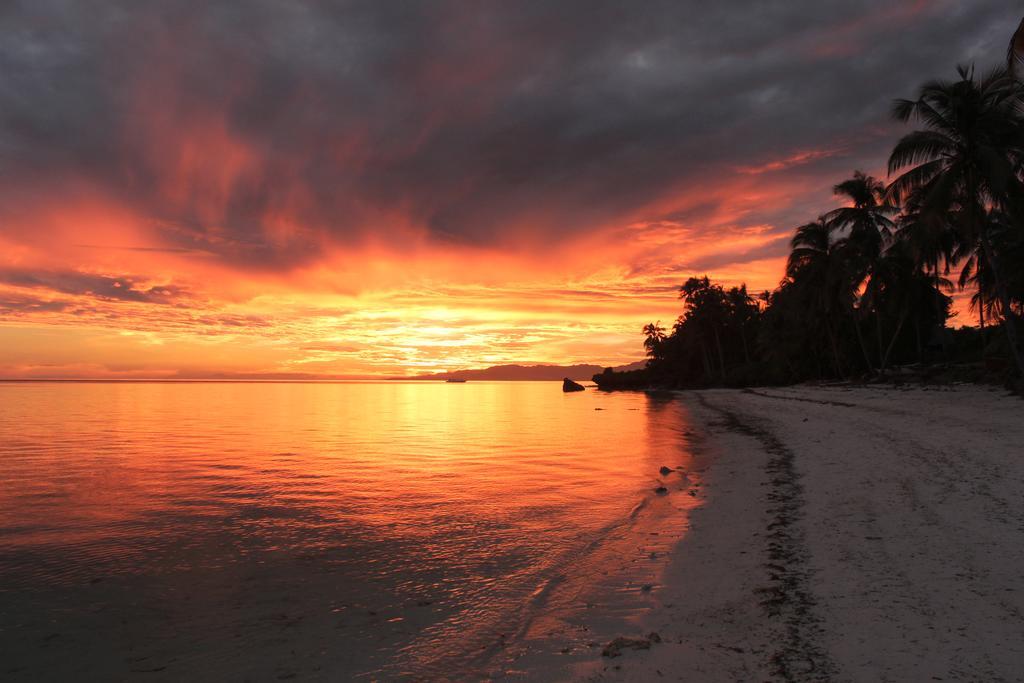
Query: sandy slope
[[849, 534]]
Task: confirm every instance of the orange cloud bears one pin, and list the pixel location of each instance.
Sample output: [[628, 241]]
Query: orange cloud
[[798, 159]]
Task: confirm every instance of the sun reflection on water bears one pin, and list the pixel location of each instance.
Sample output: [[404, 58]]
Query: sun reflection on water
[[315, 529]]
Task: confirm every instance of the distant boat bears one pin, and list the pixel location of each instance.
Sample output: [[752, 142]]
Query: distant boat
[[455, 380]]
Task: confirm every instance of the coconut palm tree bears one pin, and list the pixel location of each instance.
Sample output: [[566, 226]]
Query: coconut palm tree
[[965, 161], [654, 336], [743, 311], [706, 308], [865, 229], [930, 243], [817, 271], [866, 225], [903, 292], [975, 272]]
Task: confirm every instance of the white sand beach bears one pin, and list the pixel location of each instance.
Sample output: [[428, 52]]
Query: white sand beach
[[857, 534]]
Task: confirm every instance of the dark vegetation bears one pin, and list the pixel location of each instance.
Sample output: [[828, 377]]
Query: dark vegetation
[[867, 285]]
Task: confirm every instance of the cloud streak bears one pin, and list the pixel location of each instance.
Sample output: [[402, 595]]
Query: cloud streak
[[101, 287]]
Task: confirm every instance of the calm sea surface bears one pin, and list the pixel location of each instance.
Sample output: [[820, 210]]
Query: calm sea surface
[[232, 531]]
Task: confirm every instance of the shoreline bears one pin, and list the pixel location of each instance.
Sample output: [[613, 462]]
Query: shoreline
[[613, 582], [828, 511]]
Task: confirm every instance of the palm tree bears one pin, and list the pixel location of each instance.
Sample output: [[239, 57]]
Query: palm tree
[[866, 225], [975, 270], [706, 308], [817, 272], [965, 161], [742, 312], [654, 336], [900, 289], [866, 230], [930, 244]]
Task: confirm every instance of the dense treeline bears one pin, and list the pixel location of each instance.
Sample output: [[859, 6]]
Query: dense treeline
[[867, 286]]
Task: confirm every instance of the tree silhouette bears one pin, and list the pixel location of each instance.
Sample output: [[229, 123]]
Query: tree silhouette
[[966, 161], [881, 259]]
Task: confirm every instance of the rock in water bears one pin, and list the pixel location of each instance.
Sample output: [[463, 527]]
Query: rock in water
[[615, 648], [569, 385]]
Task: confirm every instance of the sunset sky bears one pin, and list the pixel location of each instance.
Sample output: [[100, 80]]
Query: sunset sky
[[286, 188]]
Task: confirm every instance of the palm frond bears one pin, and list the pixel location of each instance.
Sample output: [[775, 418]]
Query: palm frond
[[902, 189], [918, 147], [902, 110]]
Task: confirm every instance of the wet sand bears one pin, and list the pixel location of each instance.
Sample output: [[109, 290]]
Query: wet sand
[[857, 534]]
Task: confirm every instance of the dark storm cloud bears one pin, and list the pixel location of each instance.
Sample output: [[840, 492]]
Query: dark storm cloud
[[13, 305], [473, 119], [88, 284]]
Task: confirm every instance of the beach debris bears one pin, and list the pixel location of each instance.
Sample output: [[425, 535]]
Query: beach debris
[[661, 490], [569, 385], [737, 650], [615, 647], [665, 471]]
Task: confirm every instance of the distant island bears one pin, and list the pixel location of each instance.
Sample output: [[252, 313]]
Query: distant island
[[547, 373]]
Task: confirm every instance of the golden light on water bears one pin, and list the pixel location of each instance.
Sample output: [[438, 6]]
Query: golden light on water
[[396, 524]]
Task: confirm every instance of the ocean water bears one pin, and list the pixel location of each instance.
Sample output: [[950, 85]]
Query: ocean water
[[271, 531]]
